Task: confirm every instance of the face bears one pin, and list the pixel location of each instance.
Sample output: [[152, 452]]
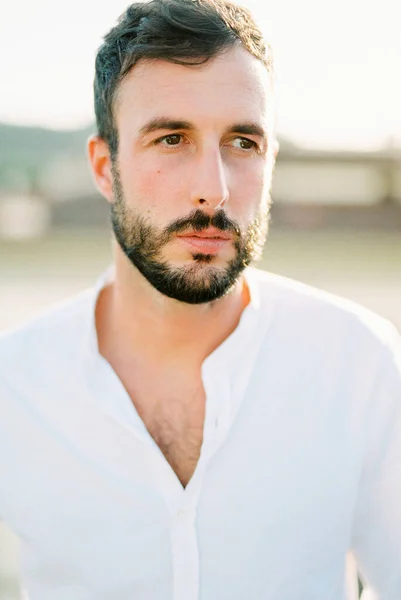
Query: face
[[193, 171]]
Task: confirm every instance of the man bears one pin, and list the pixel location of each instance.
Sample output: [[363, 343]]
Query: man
[[191, 428]]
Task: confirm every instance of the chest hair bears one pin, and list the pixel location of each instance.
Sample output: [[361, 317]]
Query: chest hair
[[174, 417]]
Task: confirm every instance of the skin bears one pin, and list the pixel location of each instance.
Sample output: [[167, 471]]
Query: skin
[[208, 167]]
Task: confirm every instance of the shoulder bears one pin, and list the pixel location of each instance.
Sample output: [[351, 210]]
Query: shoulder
[[301, 309], [46, 342]]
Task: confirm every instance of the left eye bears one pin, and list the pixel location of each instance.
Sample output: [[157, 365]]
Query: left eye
[[171, 140], [244, 143]]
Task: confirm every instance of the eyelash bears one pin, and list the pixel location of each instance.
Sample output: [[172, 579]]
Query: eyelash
[[170, 135]]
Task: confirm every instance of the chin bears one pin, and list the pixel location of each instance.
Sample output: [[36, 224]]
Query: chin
[[203, 260]]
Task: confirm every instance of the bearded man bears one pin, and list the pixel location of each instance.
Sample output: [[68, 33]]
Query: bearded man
[[192, 428]]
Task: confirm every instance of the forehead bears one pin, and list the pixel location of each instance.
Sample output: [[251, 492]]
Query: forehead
[[231, 87]]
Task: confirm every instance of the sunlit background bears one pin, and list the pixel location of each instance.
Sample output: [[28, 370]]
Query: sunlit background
[[337, 191]]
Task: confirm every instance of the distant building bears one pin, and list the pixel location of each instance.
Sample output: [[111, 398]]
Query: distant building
[[23, 216]]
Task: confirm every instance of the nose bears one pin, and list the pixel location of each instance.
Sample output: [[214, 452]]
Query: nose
[[209, 189]]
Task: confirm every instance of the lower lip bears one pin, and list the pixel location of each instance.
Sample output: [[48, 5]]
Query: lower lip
[[205, 245]]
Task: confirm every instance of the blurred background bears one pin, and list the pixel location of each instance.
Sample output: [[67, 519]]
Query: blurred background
[[336, 221]]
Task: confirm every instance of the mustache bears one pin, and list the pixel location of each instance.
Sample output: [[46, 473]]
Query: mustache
[[198, 221]]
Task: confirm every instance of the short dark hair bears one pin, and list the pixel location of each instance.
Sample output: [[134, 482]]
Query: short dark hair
[[187, 32]]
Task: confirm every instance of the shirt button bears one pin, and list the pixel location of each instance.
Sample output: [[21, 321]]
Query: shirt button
[[185, 516]]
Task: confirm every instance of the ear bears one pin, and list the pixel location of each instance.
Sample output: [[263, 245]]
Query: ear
[[100, 162]]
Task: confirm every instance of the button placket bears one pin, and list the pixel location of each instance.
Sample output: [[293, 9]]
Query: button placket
[[184, 539], [183, 506], [185, 556]]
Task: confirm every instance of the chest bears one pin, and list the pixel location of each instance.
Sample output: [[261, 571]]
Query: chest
[[173, 411], [283, 491], [284, 482]]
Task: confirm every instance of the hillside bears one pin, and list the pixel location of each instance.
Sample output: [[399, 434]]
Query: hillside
[[27, 150]]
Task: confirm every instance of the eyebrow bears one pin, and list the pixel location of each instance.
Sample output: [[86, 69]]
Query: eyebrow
[[246, 128], [165, 123]]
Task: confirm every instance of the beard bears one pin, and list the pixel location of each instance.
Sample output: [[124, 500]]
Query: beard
[[195, 283]]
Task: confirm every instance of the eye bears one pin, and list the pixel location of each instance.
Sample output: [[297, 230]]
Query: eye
[[173, 139], [244, 143]]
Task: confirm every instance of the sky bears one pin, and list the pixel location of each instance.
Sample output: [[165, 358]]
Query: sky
[[338, 80]]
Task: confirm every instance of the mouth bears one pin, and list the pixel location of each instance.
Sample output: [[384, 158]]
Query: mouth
[[208, 241]]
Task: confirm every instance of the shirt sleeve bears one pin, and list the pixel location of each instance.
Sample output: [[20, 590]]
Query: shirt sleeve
[[377, 517]]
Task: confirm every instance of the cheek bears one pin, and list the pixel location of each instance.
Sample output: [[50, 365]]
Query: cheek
[[141, 181], [249, 194], [149, 187]]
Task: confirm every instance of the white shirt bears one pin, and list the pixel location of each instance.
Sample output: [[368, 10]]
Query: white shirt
[[300, 463]]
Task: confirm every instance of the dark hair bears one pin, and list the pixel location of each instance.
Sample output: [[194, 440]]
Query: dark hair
[[188, 32]]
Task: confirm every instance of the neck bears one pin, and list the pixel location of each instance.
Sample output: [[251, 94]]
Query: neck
[[136, 322]]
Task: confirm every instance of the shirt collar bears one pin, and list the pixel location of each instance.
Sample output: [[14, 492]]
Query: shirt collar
[[224, 352]]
